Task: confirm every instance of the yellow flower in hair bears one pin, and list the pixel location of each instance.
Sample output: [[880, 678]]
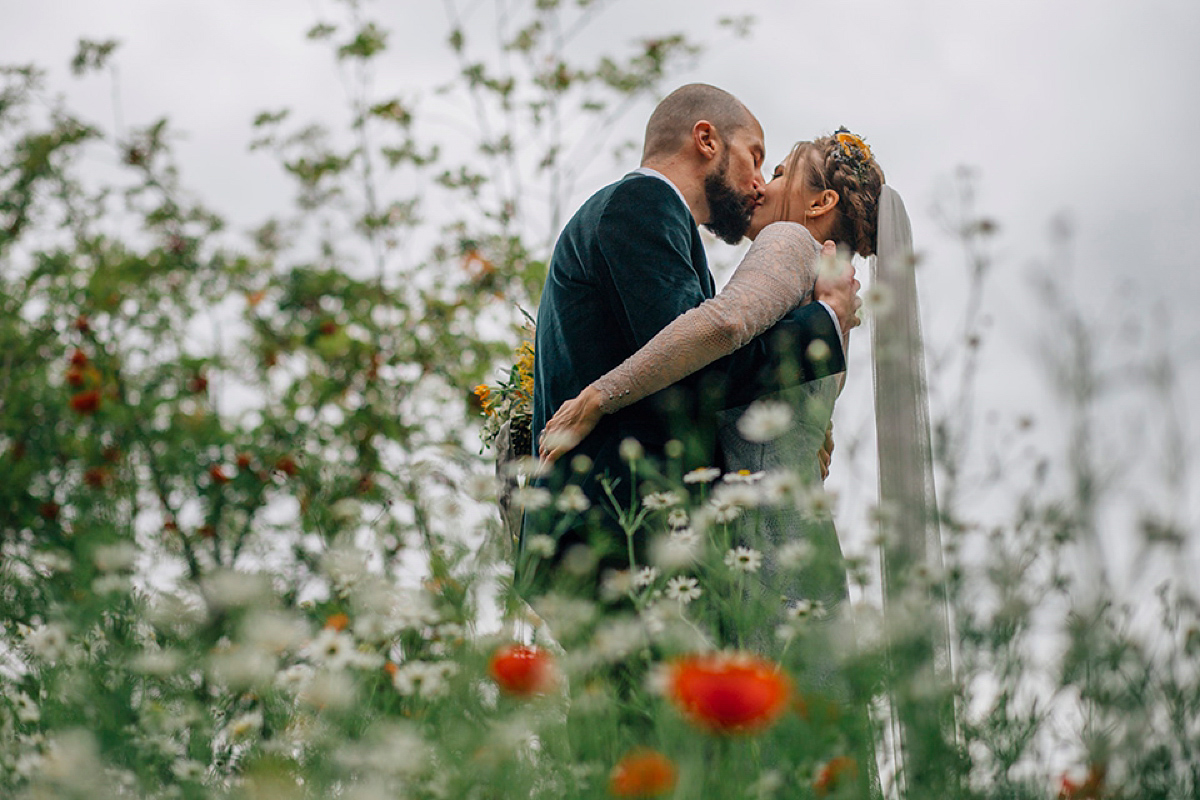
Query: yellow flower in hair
[[849, 140]]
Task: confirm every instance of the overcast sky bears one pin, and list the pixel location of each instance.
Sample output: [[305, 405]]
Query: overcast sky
[[1076, 110]]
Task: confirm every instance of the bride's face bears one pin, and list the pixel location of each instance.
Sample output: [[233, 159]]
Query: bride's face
[[783, 197]]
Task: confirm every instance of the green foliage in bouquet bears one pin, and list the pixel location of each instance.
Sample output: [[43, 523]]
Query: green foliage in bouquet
[[510, 401]]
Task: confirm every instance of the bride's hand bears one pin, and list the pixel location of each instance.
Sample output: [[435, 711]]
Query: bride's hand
[[574, 420]]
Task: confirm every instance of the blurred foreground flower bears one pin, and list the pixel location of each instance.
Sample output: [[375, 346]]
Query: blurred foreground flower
[[765, 420], [1090, 788], [728, 692], [835, 773], [522, 670], [642, 773]]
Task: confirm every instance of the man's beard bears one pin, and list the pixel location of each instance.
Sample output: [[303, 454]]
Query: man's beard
[[729, 212]]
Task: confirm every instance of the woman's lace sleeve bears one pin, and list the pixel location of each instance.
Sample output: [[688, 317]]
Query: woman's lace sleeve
[[776, 275]]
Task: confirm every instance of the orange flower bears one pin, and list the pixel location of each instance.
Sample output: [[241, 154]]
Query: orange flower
[[832, 774], [483, 392], [849, 140], [728, 692], [86, 402], [522, 670], [217, 474], [337, 622], [642, 773]]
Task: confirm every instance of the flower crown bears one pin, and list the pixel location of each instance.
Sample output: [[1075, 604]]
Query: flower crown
[[852, 150]]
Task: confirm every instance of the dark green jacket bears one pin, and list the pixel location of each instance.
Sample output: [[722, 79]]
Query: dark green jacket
[[630, 261]]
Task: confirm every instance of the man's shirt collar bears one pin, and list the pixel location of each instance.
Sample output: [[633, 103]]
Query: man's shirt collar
[[653, 173]]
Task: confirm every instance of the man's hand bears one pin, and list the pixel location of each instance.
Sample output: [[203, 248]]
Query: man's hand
[[825, 454], [837, 286]]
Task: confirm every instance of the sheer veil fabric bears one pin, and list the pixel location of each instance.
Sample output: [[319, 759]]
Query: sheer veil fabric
[[906, 490]]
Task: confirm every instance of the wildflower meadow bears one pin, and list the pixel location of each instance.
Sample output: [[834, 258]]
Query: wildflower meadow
[[260, 488]]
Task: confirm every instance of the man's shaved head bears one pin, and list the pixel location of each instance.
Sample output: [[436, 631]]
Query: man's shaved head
[[671, 124]]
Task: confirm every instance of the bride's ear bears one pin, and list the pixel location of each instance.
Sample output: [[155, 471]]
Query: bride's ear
[[822, 203]]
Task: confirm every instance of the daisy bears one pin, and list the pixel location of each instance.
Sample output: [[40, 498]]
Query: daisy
[[426, 679], [48, 642], [683, 588], [645, 577], [245, 725], [702, 475], [27, 710], [662, 500], [806, 609], [743, 559], [743, 476], [724, 510], [332, 648]]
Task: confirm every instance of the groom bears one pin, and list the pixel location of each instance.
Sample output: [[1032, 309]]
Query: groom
[[629, 262]]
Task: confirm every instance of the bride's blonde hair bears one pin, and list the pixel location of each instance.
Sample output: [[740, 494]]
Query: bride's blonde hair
[[835, 162]]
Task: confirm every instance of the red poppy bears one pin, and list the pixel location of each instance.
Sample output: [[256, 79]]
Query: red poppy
[[642, 773], [86, 402], [728, 692], [522, 670], [834, 772]]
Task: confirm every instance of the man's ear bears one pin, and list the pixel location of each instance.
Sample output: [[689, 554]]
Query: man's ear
[[705, 139], [821, 204]]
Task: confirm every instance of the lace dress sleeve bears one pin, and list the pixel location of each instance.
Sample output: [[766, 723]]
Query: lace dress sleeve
[[776, 275]]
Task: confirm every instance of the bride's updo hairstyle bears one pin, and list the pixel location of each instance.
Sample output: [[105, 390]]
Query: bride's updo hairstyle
[[841, 162]]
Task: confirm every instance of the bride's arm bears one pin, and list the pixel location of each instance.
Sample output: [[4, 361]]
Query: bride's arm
[[777, 274]]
